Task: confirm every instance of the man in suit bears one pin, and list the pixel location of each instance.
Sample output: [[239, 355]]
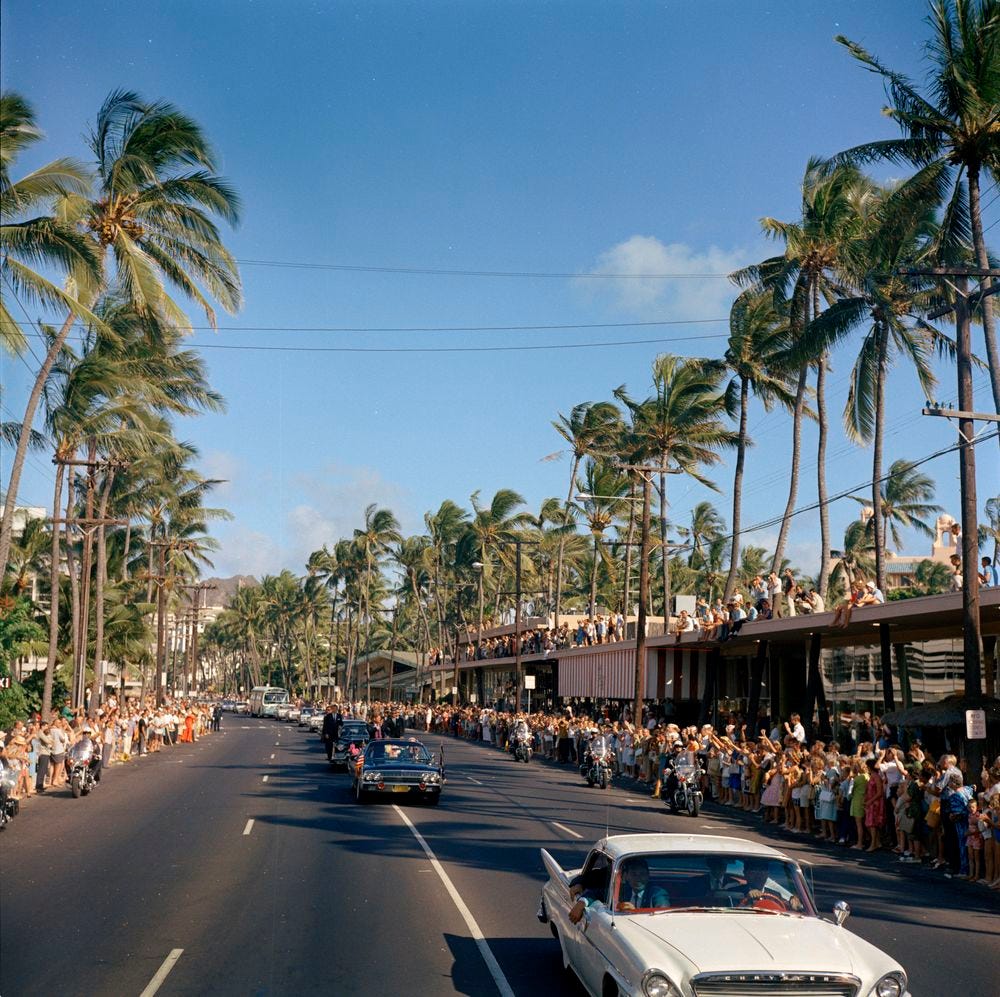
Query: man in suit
[[635, 892], [331, 728]]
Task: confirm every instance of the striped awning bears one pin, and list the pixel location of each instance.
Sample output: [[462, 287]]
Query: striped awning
[[609, 673]]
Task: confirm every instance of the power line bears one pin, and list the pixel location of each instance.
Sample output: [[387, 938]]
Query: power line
[[452, 328], [848, 492], [450, 349], [444, 272]]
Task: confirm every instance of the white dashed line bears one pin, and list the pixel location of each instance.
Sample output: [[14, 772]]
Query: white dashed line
[[470, 922], [264, 779], [272, 758], [249, 826], [476, 781], [161, 974], [563, 827]]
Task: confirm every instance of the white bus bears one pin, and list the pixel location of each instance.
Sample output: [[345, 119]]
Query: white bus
[[265, 700]]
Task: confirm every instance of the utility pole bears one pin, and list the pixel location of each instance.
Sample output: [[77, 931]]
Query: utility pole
[[646, 472], [192, 648], [965, 303], [88, 524]]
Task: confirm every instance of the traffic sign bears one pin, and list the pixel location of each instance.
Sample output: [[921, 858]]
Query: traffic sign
[[975, 725]]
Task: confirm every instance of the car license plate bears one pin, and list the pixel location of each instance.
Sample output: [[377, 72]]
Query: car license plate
[[400, 789]]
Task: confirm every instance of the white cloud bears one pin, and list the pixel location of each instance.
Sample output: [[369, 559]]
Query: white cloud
[[246, 552], [653, 298]]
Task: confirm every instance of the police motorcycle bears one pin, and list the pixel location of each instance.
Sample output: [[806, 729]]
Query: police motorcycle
[[8, 780], [84, 766], [683, 785], [520, 740], [597, 763]]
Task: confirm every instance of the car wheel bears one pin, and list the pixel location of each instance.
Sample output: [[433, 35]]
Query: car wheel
[[694, 808], [610, 988], [434, 800], [361, 795]]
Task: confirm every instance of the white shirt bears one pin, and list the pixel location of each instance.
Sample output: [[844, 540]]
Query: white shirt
[[799, 733]]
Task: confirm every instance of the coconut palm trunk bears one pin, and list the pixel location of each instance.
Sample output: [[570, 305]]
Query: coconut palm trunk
[[741, 449], [821, 491], [664, 553], [24, 438], [983, 260], [593, 578], [74, 581], [54, 570], [629, 540], [99, 583], [878, 534], [793, 480], [562, 540]]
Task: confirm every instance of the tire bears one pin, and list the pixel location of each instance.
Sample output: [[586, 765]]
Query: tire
[[694, 806], [76, 787], [604, 779], [590, 779]]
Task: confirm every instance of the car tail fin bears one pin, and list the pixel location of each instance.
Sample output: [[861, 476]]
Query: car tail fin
[[554, 869]]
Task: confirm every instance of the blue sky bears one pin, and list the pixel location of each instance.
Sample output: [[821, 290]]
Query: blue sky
[[558, 138]]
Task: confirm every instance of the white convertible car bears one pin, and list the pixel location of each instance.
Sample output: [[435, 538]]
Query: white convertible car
[[678, 915]]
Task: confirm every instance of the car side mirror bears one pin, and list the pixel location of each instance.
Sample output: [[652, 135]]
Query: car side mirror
[[841, 912]]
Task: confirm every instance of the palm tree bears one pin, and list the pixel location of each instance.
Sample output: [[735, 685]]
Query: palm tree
[[603, 499], [680, 425], [951, 133], [493, 528], [906, 499], [375, 539], [589, 429], [29, 236], [758, 336], [897, 232], [990, 530], [855, 557], [932, 577], [152, 214]]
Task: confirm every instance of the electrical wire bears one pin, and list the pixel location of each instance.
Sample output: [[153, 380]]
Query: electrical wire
[[445, 272]]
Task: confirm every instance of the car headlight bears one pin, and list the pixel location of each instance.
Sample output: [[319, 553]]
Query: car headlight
[[891, 985], [372, 777], [433, 777], [656, 984]]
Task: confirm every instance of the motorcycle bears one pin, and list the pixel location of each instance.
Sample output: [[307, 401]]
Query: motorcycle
[[83, 764], [686, 796], [599, 768], [8, 805], [522, 748]]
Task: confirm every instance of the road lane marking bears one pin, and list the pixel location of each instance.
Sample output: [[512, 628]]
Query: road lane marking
[[272, 758], [264, 779], [161, 974], [249, 826], [470, 922], [476, 781], [563, 827]]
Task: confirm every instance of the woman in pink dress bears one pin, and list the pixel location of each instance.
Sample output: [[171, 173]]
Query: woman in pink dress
[[875, 806]]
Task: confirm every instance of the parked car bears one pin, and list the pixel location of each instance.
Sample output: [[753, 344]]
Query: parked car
[[396, 767], [351, 732], [672, 915]]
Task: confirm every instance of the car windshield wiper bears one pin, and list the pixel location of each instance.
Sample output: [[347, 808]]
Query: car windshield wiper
[[688, 910]]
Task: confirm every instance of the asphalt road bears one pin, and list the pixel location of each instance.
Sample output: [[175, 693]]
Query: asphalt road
[[322, 896]]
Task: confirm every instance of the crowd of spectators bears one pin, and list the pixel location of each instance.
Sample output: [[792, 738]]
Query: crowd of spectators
[[875, 796], [36, 752]]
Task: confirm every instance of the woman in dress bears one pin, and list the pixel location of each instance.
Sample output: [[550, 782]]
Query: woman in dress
[[858, 795], [874, 805], [771, 797], [826, 807]]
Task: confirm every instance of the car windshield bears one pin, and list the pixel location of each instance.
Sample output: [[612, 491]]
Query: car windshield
[[699, 881], [353, 732], [382, 753]]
